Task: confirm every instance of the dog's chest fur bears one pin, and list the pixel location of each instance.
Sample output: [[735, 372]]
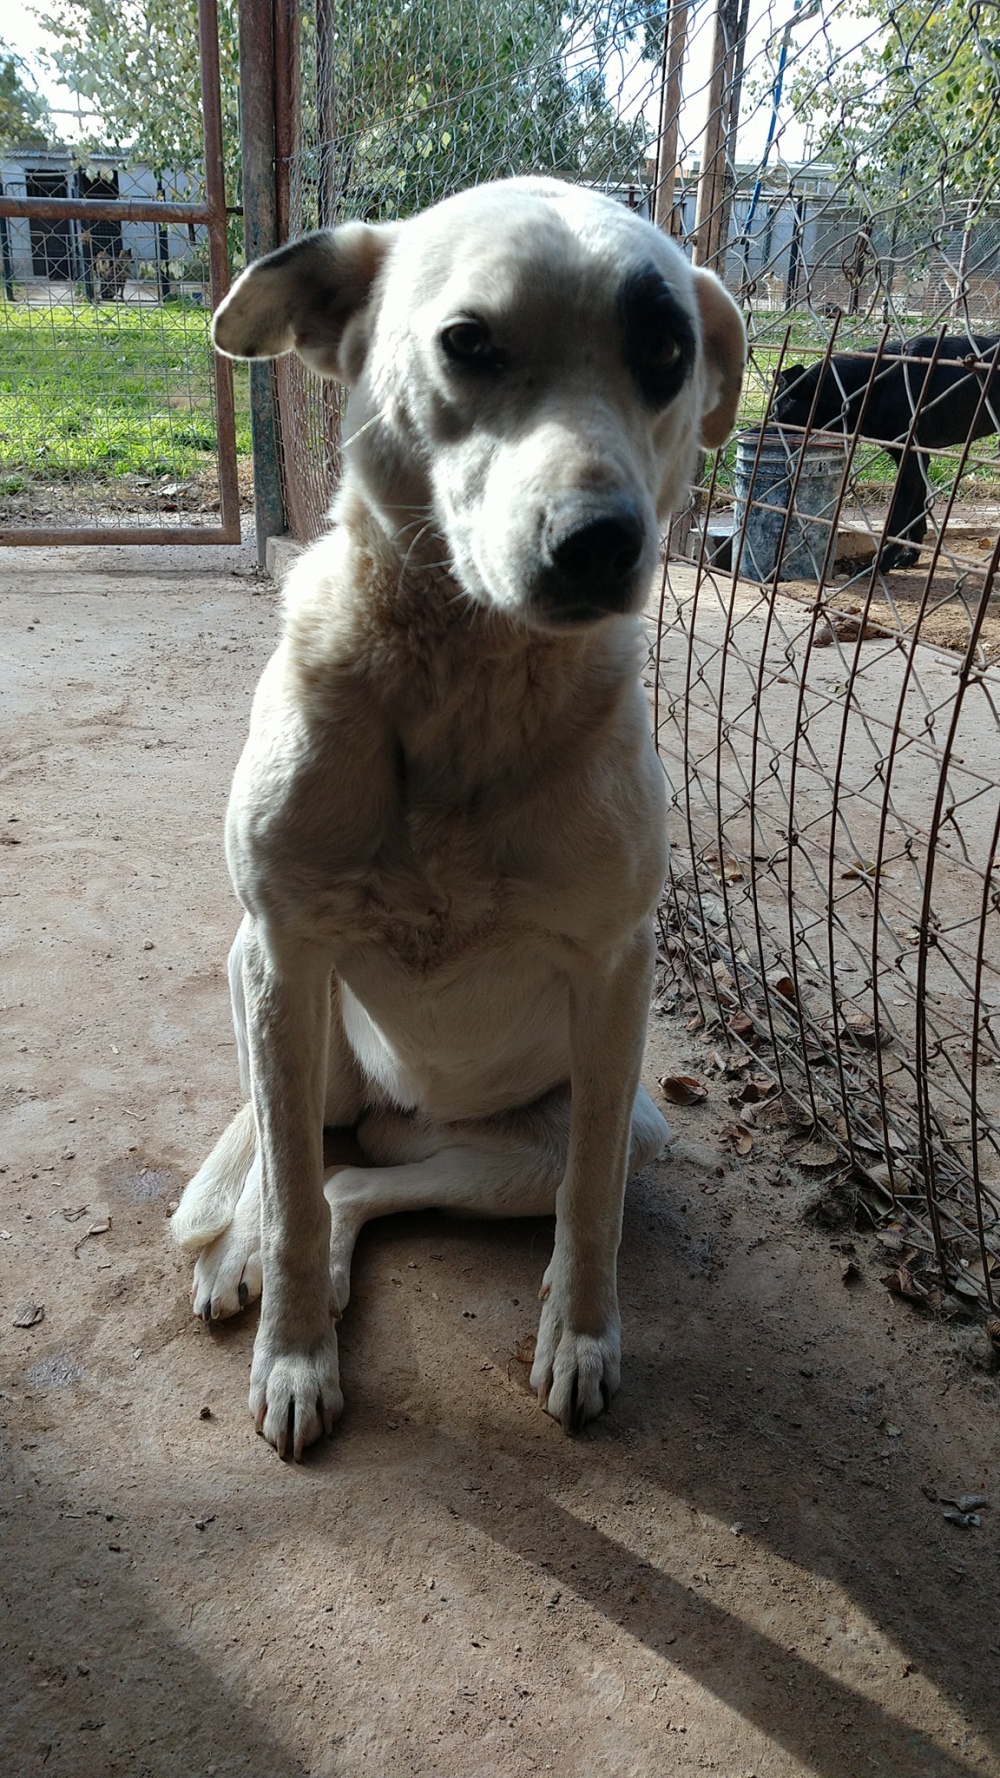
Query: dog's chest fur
[[495, 775]]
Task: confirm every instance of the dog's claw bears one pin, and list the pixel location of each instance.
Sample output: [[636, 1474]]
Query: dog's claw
[[295, 1398], [574, 1374], [226, 1277]]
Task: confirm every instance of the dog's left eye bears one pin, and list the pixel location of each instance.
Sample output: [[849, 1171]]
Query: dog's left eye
[[663, 353], [470, 344]]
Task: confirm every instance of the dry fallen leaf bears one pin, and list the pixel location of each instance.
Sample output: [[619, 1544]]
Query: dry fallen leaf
[[96, 1228], [965, 1286], [683, 1089], [738, 1138], [28, 1314], [798, 1115], [814, 1156], [524, 1351], [845, 626], [902, 1283], [865, 870], [860, 1029], [726, 869]]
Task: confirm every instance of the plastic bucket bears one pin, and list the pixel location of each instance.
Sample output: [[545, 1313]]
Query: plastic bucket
[[764, 482]]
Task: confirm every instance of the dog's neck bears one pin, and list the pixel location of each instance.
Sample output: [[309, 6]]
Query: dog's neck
[[449, 672]]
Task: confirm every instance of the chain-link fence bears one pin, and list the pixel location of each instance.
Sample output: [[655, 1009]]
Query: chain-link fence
[[827, 715]]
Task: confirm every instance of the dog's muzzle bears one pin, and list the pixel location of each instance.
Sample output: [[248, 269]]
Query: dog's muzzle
[[591, 549]]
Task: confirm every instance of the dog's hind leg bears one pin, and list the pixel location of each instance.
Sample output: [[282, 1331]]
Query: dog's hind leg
[[209, 1200], [227, 1273], [906, 525], [511, 1165]]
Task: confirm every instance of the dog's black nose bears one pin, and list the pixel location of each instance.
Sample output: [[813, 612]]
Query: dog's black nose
[[591, 549]]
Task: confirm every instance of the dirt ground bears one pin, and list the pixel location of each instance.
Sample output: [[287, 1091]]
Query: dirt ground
[[743, 1568]]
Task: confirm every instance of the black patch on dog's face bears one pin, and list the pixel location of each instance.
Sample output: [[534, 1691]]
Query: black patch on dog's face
[[283, 256], [659, 336]]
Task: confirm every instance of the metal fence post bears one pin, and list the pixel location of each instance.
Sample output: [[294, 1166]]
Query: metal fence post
[[260, 225]]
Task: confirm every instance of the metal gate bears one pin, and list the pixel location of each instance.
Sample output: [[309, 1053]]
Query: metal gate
[[52, 217]]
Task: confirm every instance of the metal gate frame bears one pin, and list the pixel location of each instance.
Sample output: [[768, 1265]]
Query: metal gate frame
[[212, 214]]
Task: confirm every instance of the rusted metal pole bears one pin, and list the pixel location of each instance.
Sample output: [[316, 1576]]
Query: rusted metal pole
[[105, 209], [260, 227], [218, 260], [666, 213], [287, 107]]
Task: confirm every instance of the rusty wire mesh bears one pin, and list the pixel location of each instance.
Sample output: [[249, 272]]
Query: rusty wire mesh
[[831, 739]]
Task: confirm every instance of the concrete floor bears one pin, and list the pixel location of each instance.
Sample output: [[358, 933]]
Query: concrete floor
[[743, 1568]]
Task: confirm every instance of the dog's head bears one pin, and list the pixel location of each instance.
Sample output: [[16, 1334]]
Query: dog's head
[[794, 388], [533, 371], [816, 392]]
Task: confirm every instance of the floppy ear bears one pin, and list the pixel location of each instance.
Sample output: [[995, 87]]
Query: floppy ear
[[724, 343], [303, 297], [787, 378]]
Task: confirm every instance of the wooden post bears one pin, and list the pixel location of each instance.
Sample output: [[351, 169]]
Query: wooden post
[[715, 181], [665, 207]]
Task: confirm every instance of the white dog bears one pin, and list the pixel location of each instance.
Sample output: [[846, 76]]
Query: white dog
[[447, 826]]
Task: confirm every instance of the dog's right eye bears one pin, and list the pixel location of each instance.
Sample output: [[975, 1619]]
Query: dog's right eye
[[469, 345]]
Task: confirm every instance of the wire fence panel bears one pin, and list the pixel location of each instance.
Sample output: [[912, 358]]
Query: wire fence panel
[[107, 410], [117, 420], [825, 653]]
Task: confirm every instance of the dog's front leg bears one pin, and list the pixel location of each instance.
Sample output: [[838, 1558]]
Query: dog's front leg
[[578, 1356], [295, 1382]]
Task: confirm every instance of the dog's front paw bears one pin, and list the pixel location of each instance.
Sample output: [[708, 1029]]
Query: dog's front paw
[[574, 1374], [294, 1394]]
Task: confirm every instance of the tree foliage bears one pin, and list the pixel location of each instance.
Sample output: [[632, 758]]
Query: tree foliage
[[400, 101], [137, 61], [413, 101], [914, 112], [24, 115]]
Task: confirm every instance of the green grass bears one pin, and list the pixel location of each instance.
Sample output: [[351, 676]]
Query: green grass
[[98, 392], [104, 391]]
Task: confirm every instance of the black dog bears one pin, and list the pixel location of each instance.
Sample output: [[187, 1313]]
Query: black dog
[[948, 402]]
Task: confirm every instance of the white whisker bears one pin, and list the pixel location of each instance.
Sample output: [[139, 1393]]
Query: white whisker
[[372, 422]]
